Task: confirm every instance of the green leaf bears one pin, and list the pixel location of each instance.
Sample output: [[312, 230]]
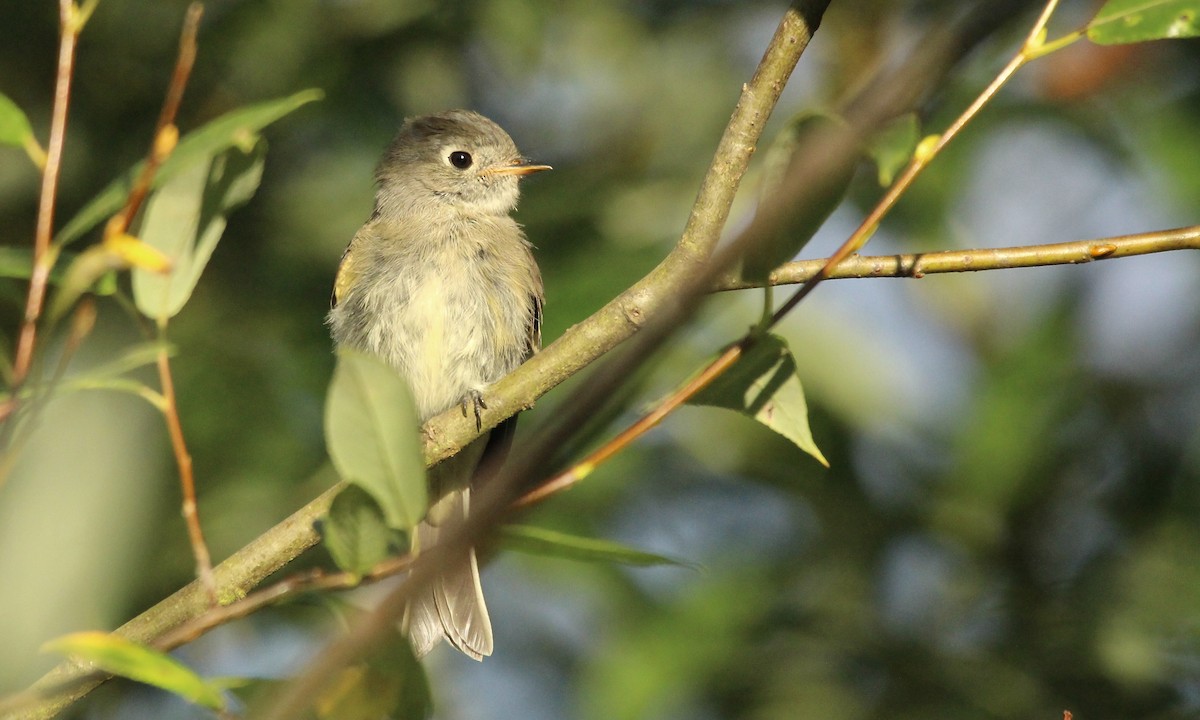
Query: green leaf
[[797, 227], [17, 263], [238, 128], [1130, 21], [355, 532], [551, 543], [892, 147], [763, 385], [127, 659], [14, 126], [390, 684], [185, 219], [372, 432]]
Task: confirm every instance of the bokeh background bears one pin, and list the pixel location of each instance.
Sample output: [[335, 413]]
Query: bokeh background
[[1009, 526]]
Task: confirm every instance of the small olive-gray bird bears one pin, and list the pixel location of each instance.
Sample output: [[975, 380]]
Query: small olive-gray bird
[[441, 284]]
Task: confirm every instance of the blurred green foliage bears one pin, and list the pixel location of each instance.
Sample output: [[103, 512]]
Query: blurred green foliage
[[1011, 520]]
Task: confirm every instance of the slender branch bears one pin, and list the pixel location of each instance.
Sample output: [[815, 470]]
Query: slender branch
[[187, 480], [166, 135], [918, 265], [43, 259]]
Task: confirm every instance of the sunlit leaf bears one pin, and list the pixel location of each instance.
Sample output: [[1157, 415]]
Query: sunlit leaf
[[1130, 21], [135, 253], [551, 543], [763, 385], [14, 126], [372, 432], [796, 228], [355, 532], [185, 219], [127, 659], [238, 128], [892, 147]]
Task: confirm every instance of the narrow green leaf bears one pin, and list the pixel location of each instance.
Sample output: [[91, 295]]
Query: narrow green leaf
[[764, 385], [14, 126], [355, 532], [127, 659], [1130, 21], [133, 357], [551, 543], [372, 432], [17, 263], [892, 147], [796, 228], [238, 128], [185, 219]]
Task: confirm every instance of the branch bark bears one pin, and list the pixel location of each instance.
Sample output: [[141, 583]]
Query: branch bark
[[918, 265]]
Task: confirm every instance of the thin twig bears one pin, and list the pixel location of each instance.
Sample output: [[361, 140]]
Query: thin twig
[[187, 481], [43, 260], [918, 265], [165, 133], [309, 581]]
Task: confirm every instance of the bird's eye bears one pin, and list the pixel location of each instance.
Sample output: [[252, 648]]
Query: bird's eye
[[460, 159]]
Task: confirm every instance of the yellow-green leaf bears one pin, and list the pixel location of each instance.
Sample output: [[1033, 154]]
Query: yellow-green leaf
[[17, 263], [373, 436], [1130, 21], [763, 385], [15, 130], [551, 543], [135, 253], [127, 659]]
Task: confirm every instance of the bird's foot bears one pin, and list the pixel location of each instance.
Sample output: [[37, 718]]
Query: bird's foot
[[474, 399]]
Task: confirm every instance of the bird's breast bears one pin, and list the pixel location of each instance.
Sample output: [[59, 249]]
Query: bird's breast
[[452, 317]]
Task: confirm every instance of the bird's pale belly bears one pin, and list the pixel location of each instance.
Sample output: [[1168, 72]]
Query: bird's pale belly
[[448, 335]]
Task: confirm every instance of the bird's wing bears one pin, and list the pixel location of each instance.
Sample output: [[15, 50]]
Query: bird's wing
[[348, 270], [535, 327]]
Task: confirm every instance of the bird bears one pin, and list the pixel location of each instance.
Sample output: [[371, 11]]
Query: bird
[[442, 285]]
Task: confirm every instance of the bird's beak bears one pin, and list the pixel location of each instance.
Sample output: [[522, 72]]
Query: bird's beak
[[516, 167]]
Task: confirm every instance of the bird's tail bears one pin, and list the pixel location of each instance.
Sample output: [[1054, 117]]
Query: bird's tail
[[452, 605]]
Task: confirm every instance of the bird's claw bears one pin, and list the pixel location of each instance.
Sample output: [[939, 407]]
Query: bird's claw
[[474, 398]]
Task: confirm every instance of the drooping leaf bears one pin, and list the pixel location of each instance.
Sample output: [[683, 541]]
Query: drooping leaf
[[238, 128], [892, 147], [372, 432], [127, 659], [1130, 21], [14, 126], [764, 385], [185, 219], [391, 683], [551, 543], [355, 532], [800, 217]]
